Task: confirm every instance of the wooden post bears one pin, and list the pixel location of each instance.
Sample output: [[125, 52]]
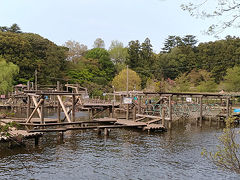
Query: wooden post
[[121, 100], [64, 109], [99, 131], [228, 99], [127, 113], [113, 110], [36, 140], [73, 108], [28, 101], [201, 111], [170, 111], [58, 104], [139, 104], [110, 111], [90, 113], [42, 111], [36, 79], [134, 113], [106, 131], [163, 117], [61, 136]]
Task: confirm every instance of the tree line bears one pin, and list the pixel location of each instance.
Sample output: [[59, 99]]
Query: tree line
[[181, 65]]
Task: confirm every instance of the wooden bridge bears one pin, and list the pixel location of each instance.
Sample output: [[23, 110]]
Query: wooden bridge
[[147, 111]]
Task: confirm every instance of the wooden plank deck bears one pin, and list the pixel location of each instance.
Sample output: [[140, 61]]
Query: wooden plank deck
[[100, 105], [150, 116], [104, 120], [79, 128], [130, 123]]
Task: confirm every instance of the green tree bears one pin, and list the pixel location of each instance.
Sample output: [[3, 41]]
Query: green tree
[[7, 73], [76, 50], [106, 66], [32, 52], [118, 53], [120, 81], [134, 49], [177, 41], [141, 59], [232, 79], [196, 80], [14, 28], [227, 155], [99, 43]]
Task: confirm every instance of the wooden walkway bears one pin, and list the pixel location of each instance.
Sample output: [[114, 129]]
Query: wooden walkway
[[100, 105], [135, 124], [15, 133]]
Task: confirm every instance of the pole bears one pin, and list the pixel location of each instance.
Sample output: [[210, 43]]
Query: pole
[[28, 101], [58, 104], [127, 114], [127, 80], [201, 111], [36, 79]]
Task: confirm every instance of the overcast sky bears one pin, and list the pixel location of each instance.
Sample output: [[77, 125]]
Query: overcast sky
[[86, 20]]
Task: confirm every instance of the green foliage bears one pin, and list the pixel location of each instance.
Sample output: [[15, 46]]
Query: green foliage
[[118, 53], [120, 81], [7, 73], [182, 83], [76, 50], [14, 28], [99, 43], [141, 59], [227, 154], [30, 52], [4, 129], [232, 79], [196, 80], [207, 86], [177, 41], [151, 86], [106, 66]]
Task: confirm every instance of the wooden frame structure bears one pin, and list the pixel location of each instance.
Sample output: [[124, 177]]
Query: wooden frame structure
[[39, 105]]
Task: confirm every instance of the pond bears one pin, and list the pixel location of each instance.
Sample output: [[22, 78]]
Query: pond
[[125, 154]]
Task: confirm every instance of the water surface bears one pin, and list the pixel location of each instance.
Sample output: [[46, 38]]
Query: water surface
[[125, 154]]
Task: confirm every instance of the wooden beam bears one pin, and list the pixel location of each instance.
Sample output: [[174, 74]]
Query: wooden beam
[[64, 109], [39, 103], [153, 121], [28, 101], [58, 104], [134, 113], [42, 111], [201, 111], [38, 110], [73, 107]]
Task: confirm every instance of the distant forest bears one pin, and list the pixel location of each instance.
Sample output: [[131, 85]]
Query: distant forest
[[183, 64]]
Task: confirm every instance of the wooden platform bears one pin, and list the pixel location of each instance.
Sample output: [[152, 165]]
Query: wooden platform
[[23, 134], [99, 105], [130, 123], [33, 120], [150, 116], [135, 124]]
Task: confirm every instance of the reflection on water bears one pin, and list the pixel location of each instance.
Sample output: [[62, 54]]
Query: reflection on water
[[125, 154]]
